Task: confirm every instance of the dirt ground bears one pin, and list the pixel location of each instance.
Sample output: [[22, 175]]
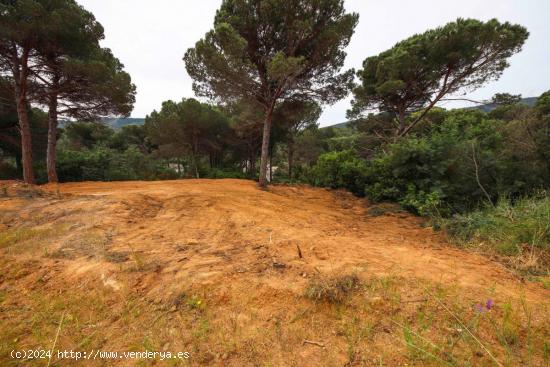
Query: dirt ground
[[219, 268]]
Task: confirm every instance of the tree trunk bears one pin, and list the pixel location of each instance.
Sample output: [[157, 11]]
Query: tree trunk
[[401, 119], [51, 156], [26, 140], [20, 72], [290, 145], [265, 148], [270, 166]]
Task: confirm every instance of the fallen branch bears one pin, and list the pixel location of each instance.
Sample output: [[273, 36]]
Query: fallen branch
[[313, 343], [299, 251]]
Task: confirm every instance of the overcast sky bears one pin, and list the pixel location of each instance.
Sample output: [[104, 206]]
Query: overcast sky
[[150, 38]]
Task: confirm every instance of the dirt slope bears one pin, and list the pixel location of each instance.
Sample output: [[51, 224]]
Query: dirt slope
[[225, 222], [237, 248]]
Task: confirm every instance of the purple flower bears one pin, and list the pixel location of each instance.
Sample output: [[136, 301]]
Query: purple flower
[[489, 304]]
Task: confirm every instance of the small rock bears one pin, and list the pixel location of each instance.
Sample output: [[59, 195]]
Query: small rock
[[279, 265]]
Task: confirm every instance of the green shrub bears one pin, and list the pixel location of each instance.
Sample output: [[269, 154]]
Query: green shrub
[[224, 173], [509, 228], [340, 170], [105, 164], [8, 171], [464, 161]]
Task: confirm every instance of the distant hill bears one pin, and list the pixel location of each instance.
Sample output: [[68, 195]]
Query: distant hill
[[338, 126], [529, 101], [117, 123]]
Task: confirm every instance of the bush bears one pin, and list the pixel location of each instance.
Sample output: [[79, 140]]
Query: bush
[[520, 229], [340, 170], [8, 171], [224, 173], [105, 164], [437, 172], [332, 290]]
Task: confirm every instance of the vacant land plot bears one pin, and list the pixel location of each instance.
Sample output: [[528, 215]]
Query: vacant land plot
[[236, 276]]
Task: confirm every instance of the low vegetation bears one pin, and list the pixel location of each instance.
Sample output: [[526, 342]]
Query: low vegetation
[[518, 230], [331, 289]]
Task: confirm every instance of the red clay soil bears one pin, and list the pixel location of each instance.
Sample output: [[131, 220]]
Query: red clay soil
[[254, 251], [224, 221]]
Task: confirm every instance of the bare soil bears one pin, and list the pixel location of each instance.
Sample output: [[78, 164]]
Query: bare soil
[[218, 268]]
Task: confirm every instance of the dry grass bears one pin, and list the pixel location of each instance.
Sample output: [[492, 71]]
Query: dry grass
[[331, 289], [16, 236], [384, 321]]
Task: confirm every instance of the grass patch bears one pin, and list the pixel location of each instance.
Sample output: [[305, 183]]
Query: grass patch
[[14, 236], [331, 289], [517, 230]]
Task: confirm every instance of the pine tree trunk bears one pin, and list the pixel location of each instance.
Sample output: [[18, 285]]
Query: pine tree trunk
[[401, 119], [20, 72], [51, 156], [270, 166], [26, 140], [265, 148]]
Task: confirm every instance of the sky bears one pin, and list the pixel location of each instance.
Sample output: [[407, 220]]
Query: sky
[[150, 39]]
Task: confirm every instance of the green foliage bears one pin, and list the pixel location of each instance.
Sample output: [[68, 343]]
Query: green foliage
[[8, 170], [340, 170], [436, 173], [10, 137], [224, 173], [509, 223], [105, 164], [87, 134], [510, 228], [239, 59], [543, 104], [91, 86], [419, 71], [272, 52], [189, 129], [506, 99], [456, 161], [130, 135], [93, 151], [57, 43]]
